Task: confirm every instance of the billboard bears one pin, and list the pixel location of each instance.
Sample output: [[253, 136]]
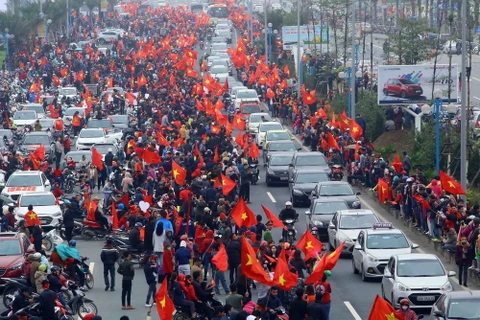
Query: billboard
[[308, 34], [412, 84]]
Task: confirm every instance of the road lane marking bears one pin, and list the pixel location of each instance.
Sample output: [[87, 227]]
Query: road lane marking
[[352, 310], [271, 197], [475, 79], [476, 98], [91, 266]]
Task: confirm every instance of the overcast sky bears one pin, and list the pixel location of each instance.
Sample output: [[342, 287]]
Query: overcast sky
[[3, 5]]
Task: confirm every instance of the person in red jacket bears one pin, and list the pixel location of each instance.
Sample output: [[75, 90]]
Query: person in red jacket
[[168, 263], [57, 192], [206, 250], [186, 284]]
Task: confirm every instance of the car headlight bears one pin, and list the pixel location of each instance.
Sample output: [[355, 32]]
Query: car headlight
[[57, 214], [16, 266], [318, 223], [344, 238], [297, 192], [270, 171], [371, 258], [356, 204], [402, 287], [447, 287]]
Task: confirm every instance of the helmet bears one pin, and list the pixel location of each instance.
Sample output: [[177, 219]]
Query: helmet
[[138, 224], [121, 206], [288, 203], [72, 243], [55, 268], [328, 273], [404, 302], [37, 256], [42, 267]]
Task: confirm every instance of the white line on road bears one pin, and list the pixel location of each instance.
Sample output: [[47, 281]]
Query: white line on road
[[476, 98], [475, 79], [352, 310], [271, 197], [91, 266]]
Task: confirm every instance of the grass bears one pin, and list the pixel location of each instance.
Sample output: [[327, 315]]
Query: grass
[[3, 54]]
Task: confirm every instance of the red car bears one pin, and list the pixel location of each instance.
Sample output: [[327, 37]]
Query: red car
[[402, 87], [248, 107], [13, 251]]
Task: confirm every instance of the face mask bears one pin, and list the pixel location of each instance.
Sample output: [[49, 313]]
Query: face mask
[[404, 307]]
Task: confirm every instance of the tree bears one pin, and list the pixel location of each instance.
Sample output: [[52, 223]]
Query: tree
[[408, 43]]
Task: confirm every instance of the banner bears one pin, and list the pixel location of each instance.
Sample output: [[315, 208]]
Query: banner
[[308, 34], [412, 84]]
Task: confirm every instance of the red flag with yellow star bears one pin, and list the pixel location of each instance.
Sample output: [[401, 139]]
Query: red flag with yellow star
[[318, 270], [276, 222], [165, 306], [344, 121], [239, 122], [243, 216], [383, 310], [310, 245], [283, 278], [383, 191], [220, 259], [355, 130], [178, 173], [227, 185], [250, 267], [333, 257], [450, 185]]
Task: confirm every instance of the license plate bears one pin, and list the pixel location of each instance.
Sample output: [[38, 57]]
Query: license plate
[[426, 298], [283, 178], [418, 91]]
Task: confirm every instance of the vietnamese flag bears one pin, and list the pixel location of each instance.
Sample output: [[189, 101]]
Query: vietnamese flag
[[165, 306], [151, 157], [162, 141], [239, 139], [383, 310], [216, 157], [383, 191], [91, 210], [110, 82], [81, 76], [220, 259], [286, 70], [332, 142], [270, 94], [242, 215], [250, 266], [318, 271], [277, 223], [254, 152], [40, 153], [178, 173], [179, 142], [56, 81], [114, 216], [227, 185], [397, 163], [97, 159], [355, 130], [333, 257], [191, 73], [239, 122], [35, 161], [450, 185], [130, 97], [283, 278], [64, 72], [344, 121], [310, 245]]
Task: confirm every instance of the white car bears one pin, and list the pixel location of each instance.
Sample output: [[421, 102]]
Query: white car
[[37, 107], [262, 129], [45, 206], [24, 118], [90, 136], [219, 71], [68, 92], [21, 182], [374, 247], [246, 95], [347, 224], [254, 120], [103, 148], [218, 47], [234, 89], [107, 36], [420, 278]]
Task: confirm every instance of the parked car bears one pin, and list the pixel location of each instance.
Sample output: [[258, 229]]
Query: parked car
[[13, 252], [33, 140], [44, 205]]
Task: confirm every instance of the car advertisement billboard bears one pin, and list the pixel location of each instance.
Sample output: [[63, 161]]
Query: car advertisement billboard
[[413, 84], [308, 34]]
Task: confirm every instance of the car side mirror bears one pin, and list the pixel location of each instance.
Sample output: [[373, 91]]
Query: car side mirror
[[299, 149], [451, 273], [331, 226], [414, 246], [439, 314], [308, 213], [358, 246]]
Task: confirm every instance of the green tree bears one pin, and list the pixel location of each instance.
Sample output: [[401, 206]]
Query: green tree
[[408, 43]]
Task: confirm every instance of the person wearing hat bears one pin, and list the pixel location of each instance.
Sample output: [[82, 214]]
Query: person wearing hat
[[182, 258], [134, 237], [109, 256], [40, 275], [34, 265], [405, 310]]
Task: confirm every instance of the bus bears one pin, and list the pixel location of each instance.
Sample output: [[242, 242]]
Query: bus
[[218, 10]]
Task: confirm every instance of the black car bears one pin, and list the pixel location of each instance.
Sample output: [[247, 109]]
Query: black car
[[277, 167], [309, 160], [120, 121], [457, 305], [302, 184], [337, 190], [279, 146], [320, 213], [33, 140]]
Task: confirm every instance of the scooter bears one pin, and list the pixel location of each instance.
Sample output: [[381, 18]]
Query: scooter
[[93, 230], [52, 238], [122, 244], [291, 233], [255, 172], [12, 288], [337, 172]]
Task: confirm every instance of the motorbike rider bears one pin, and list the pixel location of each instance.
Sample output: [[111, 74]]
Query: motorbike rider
[[134, 237], [72, 261], [47, 298], [57, 281], [99, 218], [22, 300], [408, 314], [287, 213], [76, 204]]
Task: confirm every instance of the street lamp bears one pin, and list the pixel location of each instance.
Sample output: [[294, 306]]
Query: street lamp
[[351, 85], [355, 50], [47, 24], [300, 68], [426, 109], [7, 53]]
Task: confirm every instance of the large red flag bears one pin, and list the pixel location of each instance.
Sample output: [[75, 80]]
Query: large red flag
[[450, 185], [254, 152], [250, 267], [243, 216], [239, 122], [179, 173], [333, 257], [382, 310], [397, 163], [97, 159], [220, 259], [40, 153], [383, 191], [283, 278], [310, 245], [277, 223], [227, 185], [91, 210], [318, 271], [114, 216], [165, 306]]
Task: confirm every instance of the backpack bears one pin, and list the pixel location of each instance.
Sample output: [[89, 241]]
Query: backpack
[[119, 269], [159, 229]]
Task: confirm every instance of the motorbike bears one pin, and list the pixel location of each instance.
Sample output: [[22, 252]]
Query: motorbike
[[121, 243], [80, 305], [255, 172], [69, 182], [337, 172], [281, 313], [202, 45], [51, 238], [12, 287], [93, 230], [291, 233]]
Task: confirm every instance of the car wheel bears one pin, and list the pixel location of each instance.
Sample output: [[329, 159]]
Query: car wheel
[[385, 92], [355, 270], [403, 94], [102, 41], [364, 276]]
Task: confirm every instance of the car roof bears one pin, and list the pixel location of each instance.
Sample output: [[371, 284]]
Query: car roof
[[260, 114], [270, 122], [277, 131], [311, 154], [385, 230], [38, 133], [463, 294], [92, 129], [323, 200], [353, 212], [283, 154], [25, 173], [78, 152], [34, 194], [311, 170], [416, 256], [334, 182], [281, 141]]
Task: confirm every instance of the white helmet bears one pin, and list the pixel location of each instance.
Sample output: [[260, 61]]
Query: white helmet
[[288, 203]]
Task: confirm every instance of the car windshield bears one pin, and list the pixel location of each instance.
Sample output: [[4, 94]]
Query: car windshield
[[250, 108], [212, 58], [77, 156], [406, 81], [37, 139], [220, 62], [103, 148], [278, 135], [47, 123], [218, 69], [329, 207], [420, 268], [25, 115], [247, 94], [270, 126], [104, 123], [219, 46], [332, 190], [258, 117], [281, 147], [10, 247], [71, 111], [310, 160], [45, 200], [280, 160], [311, 177], [387, 241], [464, 309], [24, 181], [91, 134], [67, 92], [37, 109], [7, 133], [357, 221]]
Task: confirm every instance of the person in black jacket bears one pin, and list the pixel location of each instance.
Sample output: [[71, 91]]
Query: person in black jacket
[[316, 309], [134, 237], [22, 300], [109, 161], [69, 222], [234, 249], [109, 256], [47, 298], [298, 307], [150, 270], [37, 238], [128, 273], [149, 230]]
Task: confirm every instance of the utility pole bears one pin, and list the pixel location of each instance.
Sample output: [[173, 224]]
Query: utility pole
[[299, 59], [463, 122], [353, 80]]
